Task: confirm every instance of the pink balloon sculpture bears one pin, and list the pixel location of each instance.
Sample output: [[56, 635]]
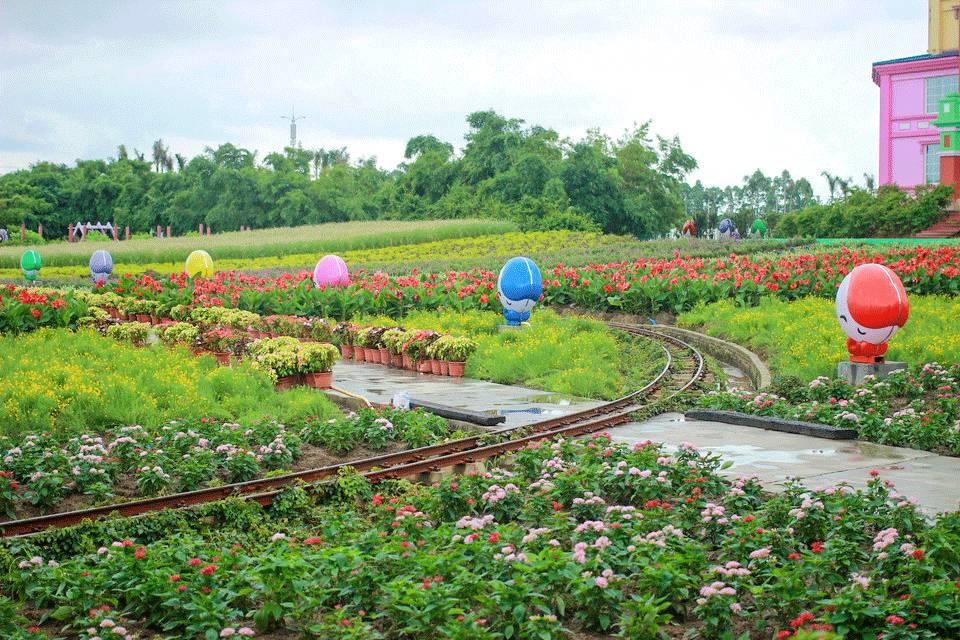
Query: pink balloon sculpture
[[331, 271]]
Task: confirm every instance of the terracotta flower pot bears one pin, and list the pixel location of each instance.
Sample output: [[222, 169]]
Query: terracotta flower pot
[[319, 379], [406, 362], [346, 350], [287, 382], [384, 356], [358, 354], [396, 360], [371, 355], [456, 369], [434, 367], [423, 366], [444, 367], [154, 319], [223, 357], [143, 317]]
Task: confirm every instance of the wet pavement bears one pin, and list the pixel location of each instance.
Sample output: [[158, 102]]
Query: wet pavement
[[772, 456], [776, 457], [519, 405]]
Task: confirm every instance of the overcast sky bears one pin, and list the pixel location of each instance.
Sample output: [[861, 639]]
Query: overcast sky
[[745, 84]]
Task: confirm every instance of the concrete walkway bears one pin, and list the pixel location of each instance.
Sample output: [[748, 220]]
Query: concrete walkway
[[772, 456], [519, 405], [775, 457]]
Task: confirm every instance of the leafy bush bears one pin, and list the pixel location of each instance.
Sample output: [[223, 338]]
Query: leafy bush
[[890, 212]]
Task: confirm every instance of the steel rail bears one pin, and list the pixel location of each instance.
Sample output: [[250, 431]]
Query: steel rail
[[410, 462]]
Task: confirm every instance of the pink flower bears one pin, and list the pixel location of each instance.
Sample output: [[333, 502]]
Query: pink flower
[[246, 631], [601, 582], [227, 632]]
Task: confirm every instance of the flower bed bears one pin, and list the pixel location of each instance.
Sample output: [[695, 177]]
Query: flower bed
[[919, 408], [803, 338], [76, 382], [578, 536], [639, 286], [55, 473]]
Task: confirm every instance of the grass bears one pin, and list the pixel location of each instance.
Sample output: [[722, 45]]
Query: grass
[[559, 354], [802, 338], [488, 251], [276, 242], [69, 383], [891, 242]]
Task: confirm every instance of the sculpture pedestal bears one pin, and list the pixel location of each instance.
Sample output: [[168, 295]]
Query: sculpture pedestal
[[512, 327], [855, 372]]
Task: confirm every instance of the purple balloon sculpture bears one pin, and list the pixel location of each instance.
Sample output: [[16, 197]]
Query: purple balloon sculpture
[[331, 271]]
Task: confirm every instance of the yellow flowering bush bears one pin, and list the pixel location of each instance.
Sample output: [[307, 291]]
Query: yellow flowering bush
[[803, 338], [61, 381]]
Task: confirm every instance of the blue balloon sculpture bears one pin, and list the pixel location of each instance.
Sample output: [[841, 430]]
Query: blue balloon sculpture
[[101, 266], [727, 228], [519, 287]]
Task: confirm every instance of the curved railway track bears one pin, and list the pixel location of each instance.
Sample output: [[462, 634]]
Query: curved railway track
[[684, 366]]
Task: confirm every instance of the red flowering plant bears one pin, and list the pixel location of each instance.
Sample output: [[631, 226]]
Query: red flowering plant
[[224, 340], [26, 309]]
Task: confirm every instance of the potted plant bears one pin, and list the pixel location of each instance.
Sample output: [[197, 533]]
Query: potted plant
[[345, 333], [318, 330], [279, 357], [416, 348], [393, 340], [179, 334], [133, 332], [375, 343], [439, 351], [224, 343], [457, 352], [316, 363]]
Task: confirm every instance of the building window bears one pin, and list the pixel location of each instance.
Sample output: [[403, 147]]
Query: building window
[[937, 88], [931, 163]]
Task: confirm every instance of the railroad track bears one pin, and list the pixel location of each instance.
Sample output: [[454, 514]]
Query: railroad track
[[684, 366]]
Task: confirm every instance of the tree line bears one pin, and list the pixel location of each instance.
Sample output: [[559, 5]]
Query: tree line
[[506, 169]]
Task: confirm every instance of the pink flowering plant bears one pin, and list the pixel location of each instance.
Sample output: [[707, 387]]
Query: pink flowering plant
[[566, 540]]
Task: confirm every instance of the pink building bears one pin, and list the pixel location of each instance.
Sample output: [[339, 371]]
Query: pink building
[[910, 90]]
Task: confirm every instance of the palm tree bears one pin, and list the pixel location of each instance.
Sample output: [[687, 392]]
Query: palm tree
[[161, 157], [870, 182], [832, 183]]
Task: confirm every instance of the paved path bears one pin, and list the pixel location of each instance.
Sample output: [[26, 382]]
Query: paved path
[[774, 457], [519, 405]]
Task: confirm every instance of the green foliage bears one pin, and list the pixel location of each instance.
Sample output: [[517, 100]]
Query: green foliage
[[759, 196], [529, 175], [802, 338], [63, 381], [888, 212]]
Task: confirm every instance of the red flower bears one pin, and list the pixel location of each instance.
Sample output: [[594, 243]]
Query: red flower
[[895, 620], [918, 554], [140, 553], [817, 546], [784, 634], [208, 570], [182, 588], [175, 578], [313, 540], [377, 500], [493, 538], [35, 313]]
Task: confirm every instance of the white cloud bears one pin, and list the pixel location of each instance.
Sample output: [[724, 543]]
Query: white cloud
[[745, 84]]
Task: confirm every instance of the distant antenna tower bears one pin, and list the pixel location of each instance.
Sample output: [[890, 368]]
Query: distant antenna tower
[[293, 126]]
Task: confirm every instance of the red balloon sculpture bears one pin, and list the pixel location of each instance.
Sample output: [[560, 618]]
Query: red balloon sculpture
[[689, 228], [871, 305]]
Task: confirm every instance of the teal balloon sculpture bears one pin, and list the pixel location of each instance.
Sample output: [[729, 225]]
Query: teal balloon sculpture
[[30, 264]]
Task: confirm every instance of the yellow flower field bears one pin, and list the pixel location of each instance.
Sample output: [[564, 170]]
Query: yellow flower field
[[803, 338]]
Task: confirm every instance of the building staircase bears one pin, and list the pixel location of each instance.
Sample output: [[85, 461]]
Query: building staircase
[[949, 227]]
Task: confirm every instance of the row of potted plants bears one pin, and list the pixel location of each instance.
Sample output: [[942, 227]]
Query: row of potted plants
[[293, 362], [411, 349]]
